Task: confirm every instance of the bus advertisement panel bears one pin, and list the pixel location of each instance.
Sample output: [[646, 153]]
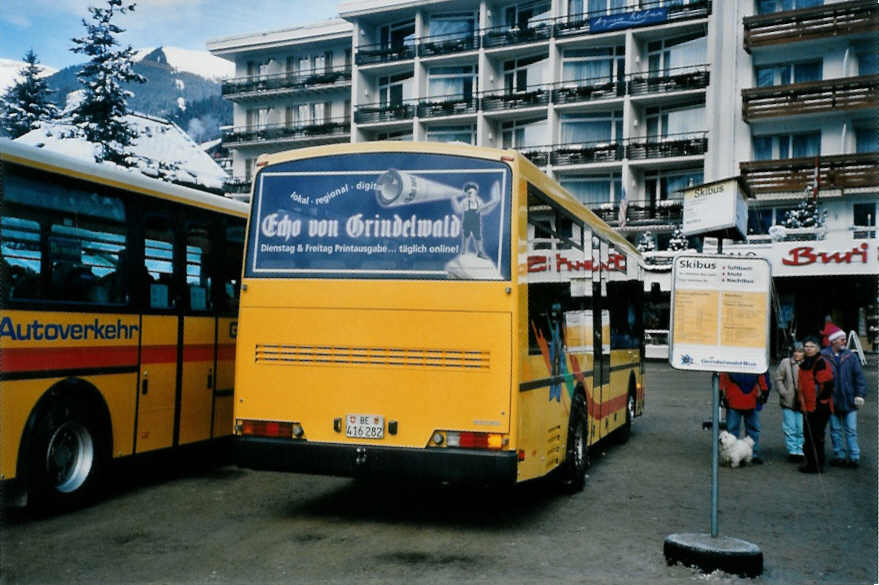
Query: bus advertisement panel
[[383, 216]]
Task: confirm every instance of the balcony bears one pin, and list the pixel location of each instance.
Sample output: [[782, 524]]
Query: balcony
[[237, 185], [843, 171], [649, 14], [258, 86], [585, 90], [673, 145], [813, 97], [449, 105], [537, 155], [585, 153], [506, 35], [371, 54], [642, 212], [829, 21], [676, 79], [328, 128], [446, 44], [371, 113], [503, 99]]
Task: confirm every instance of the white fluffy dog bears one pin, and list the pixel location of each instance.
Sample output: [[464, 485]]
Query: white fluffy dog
[[734, 452]]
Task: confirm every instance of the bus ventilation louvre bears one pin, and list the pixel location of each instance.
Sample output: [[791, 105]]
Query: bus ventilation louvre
[[295, 355]]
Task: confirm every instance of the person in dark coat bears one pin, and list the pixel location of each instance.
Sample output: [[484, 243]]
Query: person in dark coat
[[849, 389], [744, 395], [815, 390]]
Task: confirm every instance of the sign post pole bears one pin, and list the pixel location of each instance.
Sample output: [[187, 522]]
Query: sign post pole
[[715, 454]]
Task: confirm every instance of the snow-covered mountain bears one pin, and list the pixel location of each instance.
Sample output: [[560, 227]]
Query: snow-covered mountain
[[200, 63], [10, 68]]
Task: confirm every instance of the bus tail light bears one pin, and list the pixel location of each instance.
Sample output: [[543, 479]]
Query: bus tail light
[[267, 428], [469, 440]]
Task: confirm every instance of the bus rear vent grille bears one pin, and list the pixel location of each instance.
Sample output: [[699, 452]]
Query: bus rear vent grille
[[308, 355]]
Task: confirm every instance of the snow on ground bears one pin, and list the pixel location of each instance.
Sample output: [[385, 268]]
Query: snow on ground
[[160, 144], [198, 62], [9, 69]]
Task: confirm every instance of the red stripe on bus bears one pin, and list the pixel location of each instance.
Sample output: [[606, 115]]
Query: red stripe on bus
[[158, 354], [198, 353], [66, 358], [226, 352], [599, 411]]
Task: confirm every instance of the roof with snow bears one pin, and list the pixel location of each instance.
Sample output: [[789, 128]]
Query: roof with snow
[[162, 150], [333, 29]]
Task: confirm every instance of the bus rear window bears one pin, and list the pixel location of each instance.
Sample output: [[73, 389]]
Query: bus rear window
[[382, 215]]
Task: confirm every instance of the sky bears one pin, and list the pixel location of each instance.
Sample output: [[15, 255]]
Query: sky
[[47, 26]]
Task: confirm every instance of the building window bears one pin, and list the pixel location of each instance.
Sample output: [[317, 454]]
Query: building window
[[770, 6], [866, 139], [452, 81], [669, 54], [398, 135], [394, 89], [787, 73], [526, 14], [598, 127], [864, 214], [784, 146], [395, 36], [525, 133], [868, 61], [662, 121], [520, 73], [593, 63], [667, 185], [594, 190], [465, 134], [452, 26], [760, 219]]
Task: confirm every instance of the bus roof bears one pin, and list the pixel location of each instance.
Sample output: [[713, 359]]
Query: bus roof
[[38, 158], [534, 174]]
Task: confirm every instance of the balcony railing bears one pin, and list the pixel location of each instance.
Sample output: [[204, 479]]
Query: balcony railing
[[385, 112], [369, 54], [584, 90], [648, 14], [641, 212], [538, 155], [286, 81], [673, 145], [326, 128], [237, 185], [676, 79], [535, 95], [585, 153], [843, 171], [448, 43], [506, 35], [851, 93], [448, 105], [832, 20]]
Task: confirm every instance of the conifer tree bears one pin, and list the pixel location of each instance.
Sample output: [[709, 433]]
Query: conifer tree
[[26, 104], [678, 240], [101, 114]]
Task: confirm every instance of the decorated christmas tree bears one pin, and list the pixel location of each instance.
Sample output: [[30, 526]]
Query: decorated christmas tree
[[805, 215], [678, 240]]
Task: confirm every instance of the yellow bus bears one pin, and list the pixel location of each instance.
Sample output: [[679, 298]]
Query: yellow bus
[[118, 321], [432, 311]]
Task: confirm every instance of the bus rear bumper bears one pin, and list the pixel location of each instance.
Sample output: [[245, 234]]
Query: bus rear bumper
[[456, 465]]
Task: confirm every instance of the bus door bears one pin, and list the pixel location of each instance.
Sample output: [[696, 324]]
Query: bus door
[[197, 380], [158, 285], [601, 338], [229, 271]]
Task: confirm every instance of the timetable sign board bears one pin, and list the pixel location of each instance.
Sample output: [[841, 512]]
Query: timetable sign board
[[720, 311]]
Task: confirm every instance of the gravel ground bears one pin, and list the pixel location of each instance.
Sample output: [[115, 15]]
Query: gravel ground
[[190, 521]]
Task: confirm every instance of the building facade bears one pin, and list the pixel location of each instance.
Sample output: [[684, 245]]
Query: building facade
[[626, 103]]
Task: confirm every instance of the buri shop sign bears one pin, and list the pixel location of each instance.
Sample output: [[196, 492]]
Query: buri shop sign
[[818, 258]]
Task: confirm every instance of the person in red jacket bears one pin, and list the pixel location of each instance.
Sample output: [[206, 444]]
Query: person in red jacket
[[815, 388], [744, 395]]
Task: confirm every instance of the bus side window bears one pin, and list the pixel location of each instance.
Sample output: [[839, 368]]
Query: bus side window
[[22, 257], [231, 263], [159, 259], [86, 258], [198, 262]]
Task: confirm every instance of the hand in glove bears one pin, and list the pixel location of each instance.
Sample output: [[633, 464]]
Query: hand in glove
[[859, 401], [764, 396]]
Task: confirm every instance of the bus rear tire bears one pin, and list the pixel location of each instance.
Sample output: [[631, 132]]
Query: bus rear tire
[[572, 474], [67, 457], [625, 431]]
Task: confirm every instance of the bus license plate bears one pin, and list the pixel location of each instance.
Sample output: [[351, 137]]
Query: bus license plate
[[365, 426]]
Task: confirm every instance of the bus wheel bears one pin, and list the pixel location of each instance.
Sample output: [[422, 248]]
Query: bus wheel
[[625, 431], [66, 458], [573, 470]]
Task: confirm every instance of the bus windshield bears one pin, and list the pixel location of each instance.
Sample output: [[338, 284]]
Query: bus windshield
[[382, 215]]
